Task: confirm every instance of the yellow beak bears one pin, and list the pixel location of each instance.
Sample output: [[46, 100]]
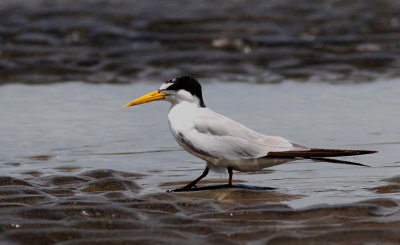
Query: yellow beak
[[156, 95]]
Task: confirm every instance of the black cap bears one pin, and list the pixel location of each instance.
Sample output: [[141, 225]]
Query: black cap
[[189, 84]]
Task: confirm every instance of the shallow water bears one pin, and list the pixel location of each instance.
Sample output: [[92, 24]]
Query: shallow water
[[76, 127], [56, 139]]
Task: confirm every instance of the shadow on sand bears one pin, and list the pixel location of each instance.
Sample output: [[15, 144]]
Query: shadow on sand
[[225, 186]]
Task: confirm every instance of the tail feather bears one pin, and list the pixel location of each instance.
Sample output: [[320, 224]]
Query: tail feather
[[330, 160], [316, 152]]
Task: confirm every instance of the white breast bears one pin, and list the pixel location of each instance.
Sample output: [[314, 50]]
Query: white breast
[[182, 118]]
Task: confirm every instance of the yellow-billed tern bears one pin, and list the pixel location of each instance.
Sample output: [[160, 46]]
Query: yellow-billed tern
[[222, 142]]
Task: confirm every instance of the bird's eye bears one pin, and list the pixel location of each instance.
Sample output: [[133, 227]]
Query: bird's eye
[[171, 81]]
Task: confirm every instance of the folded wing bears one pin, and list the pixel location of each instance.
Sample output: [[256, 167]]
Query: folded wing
[[217, 136], [220, 137]]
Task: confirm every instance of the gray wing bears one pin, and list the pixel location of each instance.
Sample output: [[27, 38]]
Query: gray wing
[[220, 137]]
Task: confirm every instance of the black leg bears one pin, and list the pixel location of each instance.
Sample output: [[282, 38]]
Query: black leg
[[193, 183], [230, 176]]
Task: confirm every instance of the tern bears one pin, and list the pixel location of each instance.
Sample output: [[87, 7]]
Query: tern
[[222, 142]]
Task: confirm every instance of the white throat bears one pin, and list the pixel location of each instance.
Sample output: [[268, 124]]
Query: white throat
[[183, 97]]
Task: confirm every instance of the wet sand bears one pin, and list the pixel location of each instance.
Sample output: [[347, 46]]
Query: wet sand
[[106, 207], [261, 41]]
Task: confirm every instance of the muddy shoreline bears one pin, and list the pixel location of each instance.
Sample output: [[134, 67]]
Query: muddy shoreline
[[260, 42], [106, 207]]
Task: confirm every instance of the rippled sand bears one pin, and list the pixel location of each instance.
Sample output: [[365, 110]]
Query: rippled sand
[[106, 207], [262, 41]]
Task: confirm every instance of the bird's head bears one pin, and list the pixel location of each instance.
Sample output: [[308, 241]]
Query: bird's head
[[179, 89]]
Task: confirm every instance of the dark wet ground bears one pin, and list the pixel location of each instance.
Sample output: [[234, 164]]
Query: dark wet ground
[[106, 207], [260, 41]]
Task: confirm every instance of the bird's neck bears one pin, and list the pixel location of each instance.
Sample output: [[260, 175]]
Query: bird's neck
[[184, 107], [194, 104]]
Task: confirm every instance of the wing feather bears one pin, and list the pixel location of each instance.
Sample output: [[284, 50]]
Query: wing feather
[[222, 138], [316, 152]]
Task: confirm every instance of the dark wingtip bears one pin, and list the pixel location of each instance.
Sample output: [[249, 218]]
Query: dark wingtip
[[340, 152], [364, 152], [317, 152]]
